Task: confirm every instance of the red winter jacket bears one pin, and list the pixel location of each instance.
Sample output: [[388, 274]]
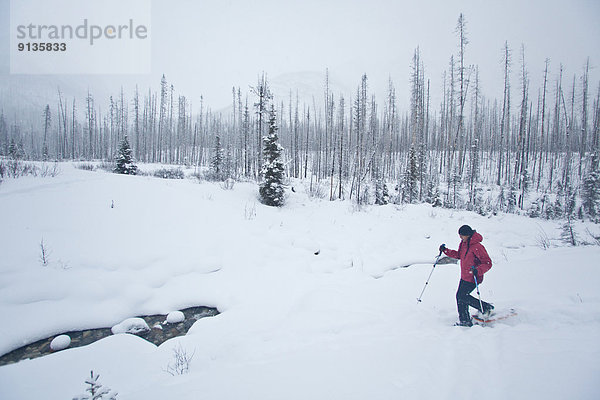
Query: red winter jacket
[[469, 254]]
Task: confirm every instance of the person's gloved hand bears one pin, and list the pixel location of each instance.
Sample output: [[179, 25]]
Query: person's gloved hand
[[442, 248], [475, 274]]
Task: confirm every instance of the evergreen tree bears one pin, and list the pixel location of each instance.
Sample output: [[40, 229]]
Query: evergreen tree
[[535, 209], [568, 232], [385, 194], [217, 163], [591, 190], [13, 150], [501, 201], [591, 195], [556, 209], [382, 196], [455, 181], [433, 194], [272, 188], [125, 163], [570, 202]]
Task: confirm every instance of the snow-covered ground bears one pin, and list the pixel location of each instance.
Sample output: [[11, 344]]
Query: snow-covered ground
[[340, 324]]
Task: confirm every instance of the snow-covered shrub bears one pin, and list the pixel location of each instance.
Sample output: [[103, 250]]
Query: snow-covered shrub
[[317, 189], [454, 203], [228, 184], [169, 173], [16, 168], [542, 240], [200, 175], [181, 361], [106, 166], [85, 166], [49, 171]]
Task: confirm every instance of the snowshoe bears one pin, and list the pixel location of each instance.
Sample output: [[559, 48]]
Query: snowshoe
[[492, 316], [488, 310]]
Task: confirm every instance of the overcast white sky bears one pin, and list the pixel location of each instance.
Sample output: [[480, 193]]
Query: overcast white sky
[[206, 47]]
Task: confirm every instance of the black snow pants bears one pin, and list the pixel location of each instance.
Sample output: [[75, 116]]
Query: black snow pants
[[464, 300]]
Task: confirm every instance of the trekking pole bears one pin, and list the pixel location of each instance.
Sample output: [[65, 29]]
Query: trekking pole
[[428, 278], [478, 294]]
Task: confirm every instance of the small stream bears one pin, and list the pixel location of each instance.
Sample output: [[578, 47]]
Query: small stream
[[159, 332]]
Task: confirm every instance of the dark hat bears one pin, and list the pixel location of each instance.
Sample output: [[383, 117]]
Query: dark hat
[[466, 230]]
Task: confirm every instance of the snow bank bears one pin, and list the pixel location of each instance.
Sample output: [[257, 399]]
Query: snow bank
[[302, 313]]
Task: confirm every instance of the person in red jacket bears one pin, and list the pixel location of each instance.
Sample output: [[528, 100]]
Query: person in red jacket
[[474, 262]]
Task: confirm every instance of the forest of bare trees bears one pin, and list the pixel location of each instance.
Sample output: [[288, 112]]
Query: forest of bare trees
[[534, 153]]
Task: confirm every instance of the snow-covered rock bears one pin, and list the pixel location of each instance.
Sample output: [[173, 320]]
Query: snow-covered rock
[[60, 342], [175, 317], [131, 325]]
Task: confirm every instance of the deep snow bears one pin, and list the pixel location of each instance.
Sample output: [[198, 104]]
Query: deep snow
[[343, 324]]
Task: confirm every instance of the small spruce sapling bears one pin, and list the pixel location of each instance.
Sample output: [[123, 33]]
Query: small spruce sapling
[[96, 390], [568, 233]]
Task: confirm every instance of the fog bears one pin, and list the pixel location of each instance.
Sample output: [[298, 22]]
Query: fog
[[207, 47]]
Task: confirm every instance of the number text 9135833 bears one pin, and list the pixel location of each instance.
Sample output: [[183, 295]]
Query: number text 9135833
[[35, 46]]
